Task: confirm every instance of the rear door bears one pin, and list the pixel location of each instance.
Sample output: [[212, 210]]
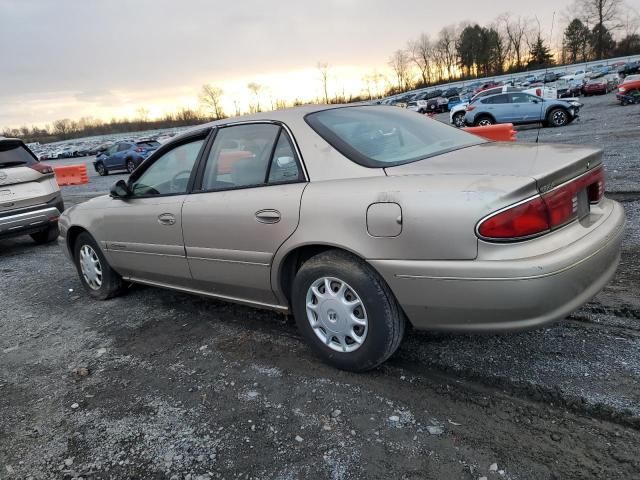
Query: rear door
[[22, 185], [246, 204], [498, 106]]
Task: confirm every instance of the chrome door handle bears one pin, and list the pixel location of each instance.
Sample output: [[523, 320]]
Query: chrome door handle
[[268, 216], [166, 219]]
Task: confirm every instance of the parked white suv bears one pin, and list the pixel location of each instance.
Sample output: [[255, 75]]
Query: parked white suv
[[30, 199]]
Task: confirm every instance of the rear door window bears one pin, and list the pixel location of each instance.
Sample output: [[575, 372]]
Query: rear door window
[[13, 154], [497, 99]]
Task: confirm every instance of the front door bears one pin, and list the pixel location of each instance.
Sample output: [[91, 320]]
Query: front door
[[246, 205], [143, 232]]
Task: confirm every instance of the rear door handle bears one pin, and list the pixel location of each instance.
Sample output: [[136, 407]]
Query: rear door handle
[[268, 216], [166, 219]]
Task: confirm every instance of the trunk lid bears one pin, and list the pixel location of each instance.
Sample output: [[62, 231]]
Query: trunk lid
[[548, 164]]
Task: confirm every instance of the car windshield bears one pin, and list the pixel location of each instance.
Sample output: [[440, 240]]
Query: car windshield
[[13, 154], [386, 136]]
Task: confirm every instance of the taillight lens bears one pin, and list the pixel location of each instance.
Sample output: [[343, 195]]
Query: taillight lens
[[471, 108], [543, 213], [523, 220], [42, 168], [139, 149]]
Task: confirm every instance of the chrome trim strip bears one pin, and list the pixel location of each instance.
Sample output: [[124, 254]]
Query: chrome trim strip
[[137, 252], [229, 261], [251, 303]]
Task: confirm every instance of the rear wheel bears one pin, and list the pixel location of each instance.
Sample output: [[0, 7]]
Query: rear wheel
[[101, 169], [97, 277], [131, 165], [346, 311], [46, 236], [558, 117], [484, 121]]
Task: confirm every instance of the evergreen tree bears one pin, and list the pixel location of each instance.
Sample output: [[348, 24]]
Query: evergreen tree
[[576, 41], [540, 54]]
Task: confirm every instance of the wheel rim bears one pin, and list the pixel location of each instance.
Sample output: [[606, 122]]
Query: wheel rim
[[484, 122], [130, 166], [458, 120], [90, 267], [336, 314], [559, 117], [101, 169]]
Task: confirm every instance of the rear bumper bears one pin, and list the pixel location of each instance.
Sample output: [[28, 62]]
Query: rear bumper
[[30, 221], [503, 295]]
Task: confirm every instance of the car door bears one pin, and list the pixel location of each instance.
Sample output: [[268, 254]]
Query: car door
[[498, 106], [112, 156], [245, 205], [117, 160], [143, 232], [526, 107]]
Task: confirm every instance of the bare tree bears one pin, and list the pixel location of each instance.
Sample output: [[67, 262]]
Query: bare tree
[[600, 12], [421, 52], [62, 127], [210, 97], [323, 68], [446, 49], [142, 114], [399, 62], [255, 88], [236, 107], [516, 34]]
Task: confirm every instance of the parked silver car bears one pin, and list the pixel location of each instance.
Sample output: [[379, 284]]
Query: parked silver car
[[356, 219], [30, 200]]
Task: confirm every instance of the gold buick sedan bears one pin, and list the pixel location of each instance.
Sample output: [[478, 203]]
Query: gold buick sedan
[[357, 220]]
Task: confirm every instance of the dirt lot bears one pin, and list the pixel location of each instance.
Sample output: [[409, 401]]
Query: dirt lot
[[157, 384]]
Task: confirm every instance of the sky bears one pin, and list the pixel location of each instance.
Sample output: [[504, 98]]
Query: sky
[[108, 58]]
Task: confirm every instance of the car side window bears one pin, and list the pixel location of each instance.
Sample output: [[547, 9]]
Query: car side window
[[241, 156], [169, 174], [496, 99], [123, 146], [519, 98], [285, 166]]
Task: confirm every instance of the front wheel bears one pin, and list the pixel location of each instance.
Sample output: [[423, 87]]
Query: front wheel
[[96, 275], [346, 311], [101, 169], [558, 117]]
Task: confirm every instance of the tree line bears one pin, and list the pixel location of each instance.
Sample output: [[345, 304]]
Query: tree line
[[512, 44]]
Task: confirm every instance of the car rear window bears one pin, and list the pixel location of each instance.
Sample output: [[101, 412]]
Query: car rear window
[[14, 154], [377, 137]]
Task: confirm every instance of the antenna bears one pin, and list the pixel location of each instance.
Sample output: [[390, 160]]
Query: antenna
[[544, 79]]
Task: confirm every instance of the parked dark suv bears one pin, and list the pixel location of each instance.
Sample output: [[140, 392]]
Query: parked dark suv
[[124, 156]]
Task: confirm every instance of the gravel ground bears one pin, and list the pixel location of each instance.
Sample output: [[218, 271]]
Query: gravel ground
[[159, 384]]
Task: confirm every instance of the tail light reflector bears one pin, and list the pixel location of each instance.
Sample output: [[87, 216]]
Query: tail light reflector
[[42, 168], [470, 108], [543, 213]]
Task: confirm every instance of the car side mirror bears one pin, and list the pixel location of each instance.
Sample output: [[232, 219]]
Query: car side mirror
[[120, 189]]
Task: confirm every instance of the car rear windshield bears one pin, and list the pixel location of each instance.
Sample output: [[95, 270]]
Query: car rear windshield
[[14, 154], [377, 137]]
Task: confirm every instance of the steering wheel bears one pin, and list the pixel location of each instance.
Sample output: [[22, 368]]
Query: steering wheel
[[176, 181]]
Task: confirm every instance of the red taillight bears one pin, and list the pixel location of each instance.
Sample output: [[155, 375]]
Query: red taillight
[[470, 108], [41, 168], [539, 92], [523, 220], [139, 149], [543, 213]]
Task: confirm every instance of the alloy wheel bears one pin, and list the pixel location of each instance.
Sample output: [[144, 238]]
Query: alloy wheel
[[90, 267], [559, 118], [131, 166], [336, 314]]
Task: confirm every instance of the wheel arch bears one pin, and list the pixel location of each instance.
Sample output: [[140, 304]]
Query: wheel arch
[[482, 115], [72, 235], [285, 270]]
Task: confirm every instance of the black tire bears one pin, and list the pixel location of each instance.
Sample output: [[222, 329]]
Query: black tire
[[558, 117], [458, 119], [386, 321], [46, 236], [101, 169], [131, 165], [484, 120], [111, 282]]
